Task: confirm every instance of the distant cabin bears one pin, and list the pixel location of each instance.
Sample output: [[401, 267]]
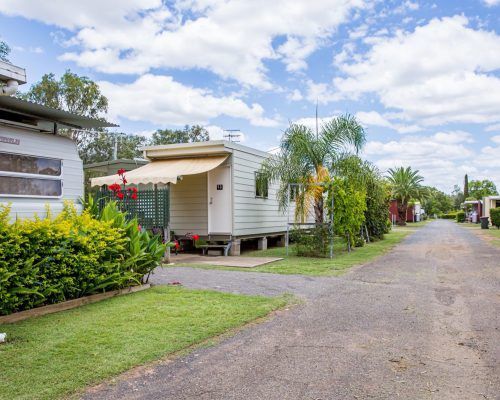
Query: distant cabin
[[38, 165]]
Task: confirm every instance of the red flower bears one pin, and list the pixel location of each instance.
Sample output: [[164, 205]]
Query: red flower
[[119, 195], [121, 171], [124, 181], [133, 196], [176, 244], [196, 237], [115, 187]]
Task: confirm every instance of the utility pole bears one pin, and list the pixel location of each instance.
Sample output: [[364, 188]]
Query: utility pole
[[317, 130], [115, 147]]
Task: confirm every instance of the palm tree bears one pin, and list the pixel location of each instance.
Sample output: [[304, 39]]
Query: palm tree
[[405, 187], [306, 157]]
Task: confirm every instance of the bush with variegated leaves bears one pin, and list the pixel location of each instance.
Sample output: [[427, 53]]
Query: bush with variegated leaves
[[49, 260]]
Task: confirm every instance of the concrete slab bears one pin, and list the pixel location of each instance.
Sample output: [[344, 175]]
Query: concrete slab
[[230, 261]]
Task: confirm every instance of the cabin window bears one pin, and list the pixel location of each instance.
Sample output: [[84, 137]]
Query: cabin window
[[30, 176], [261, 186]]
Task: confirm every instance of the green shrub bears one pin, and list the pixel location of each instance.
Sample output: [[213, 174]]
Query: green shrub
[[460, 217], [359, 241], [495, 217], [448, 216], [314, 242], [45, 261]]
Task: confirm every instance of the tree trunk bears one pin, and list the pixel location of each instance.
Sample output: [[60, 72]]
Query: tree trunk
[[318, 210], [402, 210]]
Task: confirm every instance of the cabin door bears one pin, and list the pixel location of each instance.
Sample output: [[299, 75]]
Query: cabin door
[[219, 201]]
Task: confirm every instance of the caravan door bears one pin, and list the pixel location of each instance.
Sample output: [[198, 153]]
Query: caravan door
[[219, 201]]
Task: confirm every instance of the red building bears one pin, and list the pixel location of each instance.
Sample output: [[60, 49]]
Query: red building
[[394, 215]]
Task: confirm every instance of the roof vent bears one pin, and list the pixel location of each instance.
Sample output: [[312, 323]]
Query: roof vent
[[10, 78]]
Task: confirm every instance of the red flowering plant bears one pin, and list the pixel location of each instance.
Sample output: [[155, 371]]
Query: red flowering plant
[[121, 192]]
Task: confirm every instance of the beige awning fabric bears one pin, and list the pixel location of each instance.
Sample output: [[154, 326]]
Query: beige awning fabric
[[163, 171]]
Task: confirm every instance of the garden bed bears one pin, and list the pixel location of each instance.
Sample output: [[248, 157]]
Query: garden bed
[[68, 305]]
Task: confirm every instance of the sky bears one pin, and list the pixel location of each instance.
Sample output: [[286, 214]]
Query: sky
[[422, 77]]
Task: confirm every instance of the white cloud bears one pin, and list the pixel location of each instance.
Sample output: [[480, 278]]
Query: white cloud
[[310, 122], [161, 100], [35, 50], [230, 38], [406, 6], [437, 74], [493, 128], [496, 139], [442, 158], [321, 93], [295, 95], [79, 14], [374, 118], [491, 3]]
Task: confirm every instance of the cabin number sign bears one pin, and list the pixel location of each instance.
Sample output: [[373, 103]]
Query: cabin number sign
[[219, 187], [4, 139]]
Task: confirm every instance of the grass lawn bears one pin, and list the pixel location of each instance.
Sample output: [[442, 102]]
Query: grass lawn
[[491, 235], [321, 266], [55, 355]]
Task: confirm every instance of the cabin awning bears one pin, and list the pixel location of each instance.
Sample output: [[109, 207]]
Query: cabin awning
[[163, 171]]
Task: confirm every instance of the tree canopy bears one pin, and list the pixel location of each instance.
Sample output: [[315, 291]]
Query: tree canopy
[[406, 185], [305, 157], [437, 202], [82, 96], [76, 94], [4, 51], [195, 133], [481, 188], [99, 146]]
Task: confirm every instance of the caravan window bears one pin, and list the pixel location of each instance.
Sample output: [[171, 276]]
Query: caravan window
[[30, 176], [29, 164], [13, 185]]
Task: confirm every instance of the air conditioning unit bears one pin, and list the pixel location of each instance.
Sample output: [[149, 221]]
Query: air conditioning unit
[[11, 77]]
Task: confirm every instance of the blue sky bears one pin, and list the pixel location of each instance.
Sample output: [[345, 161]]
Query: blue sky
[[423, 77]]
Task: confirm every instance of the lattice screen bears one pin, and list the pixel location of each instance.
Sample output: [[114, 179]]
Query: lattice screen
[[151, 207]]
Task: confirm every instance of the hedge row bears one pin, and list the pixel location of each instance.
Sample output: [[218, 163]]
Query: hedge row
[[46, 261], [448, 216], [460, 216], [495, 217]]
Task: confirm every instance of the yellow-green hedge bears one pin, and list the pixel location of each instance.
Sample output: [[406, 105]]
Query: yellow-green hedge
[[49, 260]]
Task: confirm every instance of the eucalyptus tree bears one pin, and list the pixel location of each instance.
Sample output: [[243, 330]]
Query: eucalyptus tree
[[306, 158], [4, 51], [406, 185]]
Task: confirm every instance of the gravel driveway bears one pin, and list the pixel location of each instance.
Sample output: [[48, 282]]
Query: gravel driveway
[[421, 322]]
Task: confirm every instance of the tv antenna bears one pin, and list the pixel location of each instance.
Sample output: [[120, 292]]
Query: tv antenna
[[232, 135]]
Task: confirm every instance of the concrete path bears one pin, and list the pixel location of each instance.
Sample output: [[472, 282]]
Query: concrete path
[[422, 322], [228, 261]]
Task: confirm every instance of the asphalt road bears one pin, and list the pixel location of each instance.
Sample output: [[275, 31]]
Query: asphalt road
[[422, 322]]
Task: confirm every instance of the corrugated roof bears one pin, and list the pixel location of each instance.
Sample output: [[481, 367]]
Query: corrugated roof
[[29, 108]]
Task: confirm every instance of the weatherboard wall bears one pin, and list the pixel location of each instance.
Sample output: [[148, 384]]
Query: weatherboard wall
[[253, 216]]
